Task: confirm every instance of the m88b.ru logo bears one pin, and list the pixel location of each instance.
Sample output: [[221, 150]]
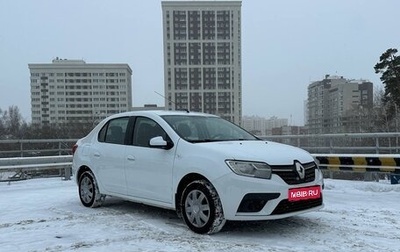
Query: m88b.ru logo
[[313, 192]]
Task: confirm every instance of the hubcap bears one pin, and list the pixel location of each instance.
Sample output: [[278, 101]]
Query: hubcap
[[87, 190], [197, 208]]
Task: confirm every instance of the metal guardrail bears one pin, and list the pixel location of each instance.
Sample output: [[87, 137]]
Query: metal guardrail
[[36, 147], [372, 166], [45, 154], [352, 143], [359, 162], [332, 162], [22, 165], [373, 143]]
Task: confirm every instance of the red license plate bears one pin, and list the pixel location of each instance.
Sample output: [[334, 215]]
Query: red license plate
[[304, 193]]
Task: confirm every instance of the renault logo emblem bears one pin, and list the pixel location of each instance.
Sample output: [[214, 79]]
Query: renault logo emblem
[[300, 170]]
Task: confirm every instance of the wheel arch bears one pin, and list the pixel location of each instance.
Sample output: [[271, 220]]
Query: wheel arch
[[80, 171], [188, 178], [98, 198]]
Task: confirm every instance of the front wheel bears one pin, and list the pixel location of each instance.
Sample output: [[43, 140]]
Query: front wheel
[[201, 208], [89, 191]]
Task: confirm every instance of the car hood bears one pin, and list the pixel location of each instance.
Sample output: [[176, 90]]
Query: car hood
[[264, 151]]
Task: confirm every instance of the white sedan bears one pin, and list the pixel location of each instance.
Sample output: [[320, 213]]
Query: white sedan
[[204, 167]]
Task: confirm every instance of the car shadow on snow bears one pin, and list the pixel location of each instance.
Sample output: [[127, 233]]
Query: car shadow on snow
[[288, 226], [128, 207]]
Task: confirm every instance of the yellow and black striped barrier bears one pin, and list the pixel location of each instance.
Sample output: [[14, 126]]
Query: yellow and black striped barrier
[[359, 163]]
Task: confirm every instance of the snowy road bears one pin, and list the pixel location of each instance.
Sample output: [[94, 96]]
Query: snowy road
[[46, 215]]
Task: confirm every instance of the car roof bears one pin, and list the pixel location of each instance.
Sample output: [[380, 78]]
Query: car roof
[[161, 113]]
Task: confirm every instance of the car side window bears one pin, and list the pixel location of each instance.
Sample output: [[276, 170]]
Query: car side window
[[144, 130], [114, 131]]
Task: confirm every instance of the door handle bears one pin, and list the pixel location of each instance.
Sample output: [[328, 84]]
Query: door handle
[[131, 158], [96, 154]]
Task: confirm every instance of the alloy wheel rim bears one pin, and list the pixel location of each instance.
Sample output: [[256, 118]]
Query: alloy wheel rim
[[197, 208], [86, 190]]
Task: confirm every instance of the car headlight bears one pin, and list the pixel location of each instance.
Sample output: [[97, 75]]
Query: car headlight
[[250, 169]]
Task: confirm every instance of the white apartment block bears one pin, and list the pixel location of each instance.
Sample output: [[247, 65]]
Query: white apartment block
[[74, 91], [332, 102], [202, 57]]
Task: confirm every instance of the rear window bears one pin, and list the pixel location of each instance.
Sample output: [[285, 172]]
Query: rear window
[[114, 131]]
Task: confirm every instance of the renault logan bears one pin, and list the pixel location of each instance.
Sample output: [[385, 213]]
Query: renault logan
[[204, 167]]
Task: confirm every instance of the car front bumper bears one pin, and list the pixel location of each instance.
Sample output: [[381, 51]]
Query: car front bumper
[[247, 198]]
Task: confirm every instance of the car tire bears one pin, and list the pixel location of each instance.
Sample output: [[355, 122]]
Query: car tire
[[201, 208], [89, 191]]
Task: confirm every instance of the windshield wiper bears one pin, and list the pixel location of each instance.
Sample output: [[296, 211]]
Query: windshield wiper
[[205, 140], [218, 140]]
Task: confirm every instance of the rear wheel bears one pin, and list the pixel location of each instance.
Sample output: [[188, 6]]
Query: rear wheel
[[89, 191], [201, 208]]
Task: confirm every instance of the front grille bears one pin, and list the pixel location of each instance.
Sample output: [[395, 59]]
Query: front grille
[[289, 174], [286, 206]]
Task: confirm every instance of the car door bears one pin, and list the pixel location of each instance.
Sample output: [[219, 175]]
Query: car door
[[109, 156], [148, 169]]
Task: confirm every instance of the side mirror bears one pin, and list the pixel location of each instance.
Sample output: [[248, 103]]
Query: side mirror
[[159, 142]]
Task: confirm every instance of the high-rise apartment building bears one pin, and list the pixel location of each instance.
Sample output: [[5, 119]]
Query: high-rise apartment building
[[74, 91], [202, 57], [334, 104]]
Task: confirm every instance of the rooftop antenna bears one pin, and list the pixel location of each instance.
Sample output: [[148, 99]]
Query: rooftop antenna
[[169, 100]]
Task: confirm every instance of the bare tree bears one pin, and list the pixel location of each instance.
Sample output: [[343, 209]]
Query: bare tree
[[11, 123], [3, 132]]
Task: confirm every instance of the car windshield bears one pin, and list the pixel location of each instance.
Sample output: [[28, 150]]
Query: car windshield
[[197, 129]]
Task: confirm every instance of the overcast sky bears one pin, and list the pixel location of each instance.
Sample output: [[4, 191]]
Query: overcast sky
[[285, 45]]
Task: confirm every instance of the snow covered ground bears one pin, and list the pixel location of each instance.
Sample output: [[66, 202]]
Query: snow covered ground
[[46, 215]]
